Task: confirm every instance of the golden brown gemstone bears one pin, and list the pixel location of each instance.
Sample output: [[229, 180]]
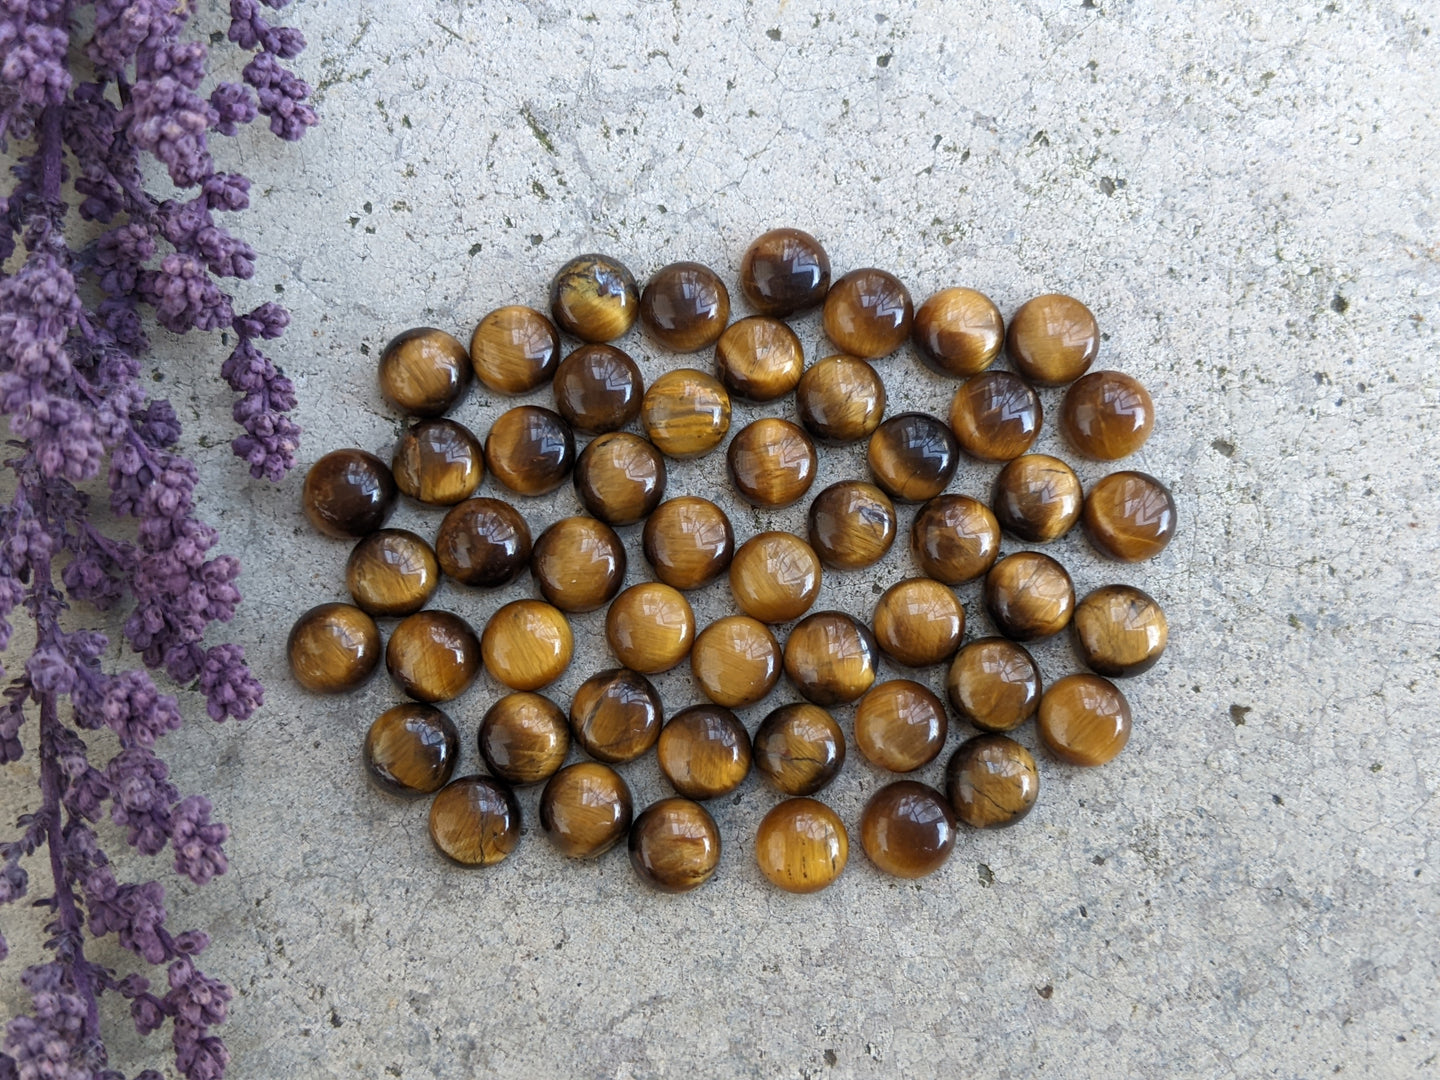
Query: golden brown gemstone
[[391, 572], [840, 399], [527, 644], [333, 647], [524, 738], [1107, 415], [852, 525], [685, 307], [675, 845], [598, 389], [759, 359], [424, 371], [991, 781], [348, 494], [830, 658], [616, 715], [1037, 498], [799, 748], [900, 725], [913, 456], [959, 332], [475, 821], [650, 627], [1119, 631], [686, 413], [736, 661], [620, 478], [995, 416], [704, 752], [514, 349], [775, 577], [955, 538], [594, 297], [772, 462], [802, 846], [585, 809], [688, 542], [433, 655], [1053, 339], [412, 749], [483, 542], [1084, 720], [907, 829], [1029, 596], [868, 313], [784, 271], [579, 564], [438, 462], [994, 684], [919, 622], [530, 450], [1129, 516]]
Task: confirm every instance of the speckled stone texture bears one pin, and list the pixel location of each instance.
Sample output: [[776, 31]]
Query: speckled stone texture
[[1240, 194]]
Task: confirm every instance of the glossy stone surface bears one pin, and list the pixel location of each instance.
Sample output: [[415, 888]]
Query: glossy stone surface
[[868, 313], [650, 627], [704, 752], [585, 809], [840, 399], [772, 462], [1119, 631], [900, 725], [333, 647], [616, 715], [411, 749], [736, 661], [919, 622], [348, 494], [578, 564], [1037, 498], [784, 271], [527, 644], [433, 655], [802, 846], [830, 657], [1084, 720], [594, 298], [524, 738], [991, 781], [475, 821], [1107, 415], [907, 829], [959, 332], [994, 684], [514, 349], [775, 577], [1129, 516], [852, 525], [483, 542], [530, 450], [1029, 596], [759, 359], [391, 572], [438, 462], [799, 749], [1052, 339], [685, 307], [620, 478], [424, 371], [688, 542], [597, 389], [912, 456], [686, 413], [995, 416], [675, 845], [955, 539]]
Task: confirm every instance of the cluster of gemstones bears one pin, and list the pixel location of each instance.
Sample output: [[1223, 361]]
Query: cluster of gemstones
[[578, 564]]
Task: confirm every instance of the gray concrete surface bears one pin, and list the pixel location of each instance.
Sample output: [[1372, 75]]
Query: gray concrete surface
[[1241, 194]]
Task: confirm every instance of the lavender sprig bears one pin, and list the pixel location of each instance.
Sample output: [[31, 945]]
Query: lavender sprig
[[72, 336]]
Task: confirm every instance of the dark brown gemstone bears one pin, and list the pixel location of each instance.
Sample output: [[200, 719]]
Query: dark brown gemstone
[[907, 829], [994, 684], [784, 271], [799, 748], [900, 725], [775, 577], [991, 781], [594, 297], [620, 478], [424, 371], [802, 846], [333, 647], [772, 462], [597, 389], [685, 307], [840, 399], [759, 359], [524, 738], [995, 416], [527, 644], [438, 462], [616, 715], [959, 332], [585, 809], [1029, 596], [1119, 631], [955, 539], [1037, 498], [483, 542], [852, 525], [830, 657], [674, 845], [433, 655], [412, 749], [736, 661], [1129, 516], [579, 564], [913, 456], [650, 627], [686, 413], [530, 450], [919, 622], [1107, 415], [475, 821], [391, 572], [348, 493], [1084, 720], [514, 350], [1053, 339], [868, 313], [688, 542], [704, 752]]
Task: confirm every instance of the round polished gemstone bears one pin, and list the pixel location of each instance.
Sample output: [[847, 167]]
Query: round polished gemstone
[[1053, 339], [483, 542], [919, 622], [1119, 631], [991, 781], [775, 577], [650, 627], [424, 371], [585, 809], [433, 655], [959, 332], [784, 271], [524, 738], [868, 313], [597, 389], [772, 462], [686, 413], [830, 657], [412, 749], [994, 684], [527, 644], [995, 416], [616, 715], [1107, 415], [1129, 516], [840, 399], [333, 647], [704, 752], [913, 456], [852, 525], [391, 572], [1084, 720], [348, 493], [530, 450], [438, 462], [900, 725], [688, 542], [759, 359], [907, 829], [578, 564], [799, 748], [620, 478], [595, 298], [685, 307], [1029, 596], [802, 846], [955, 539], [1037, 498], [736, 661], [475, 821], [514, 350], [675, 845]]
